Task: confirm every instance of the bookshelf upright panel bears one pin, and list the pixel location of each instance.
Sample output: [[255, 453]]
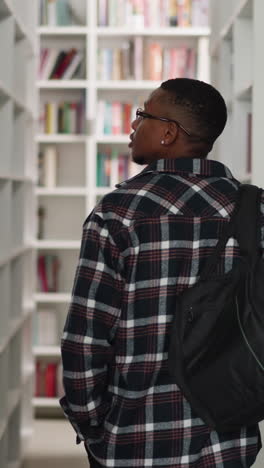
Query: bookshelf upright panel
[[18, 54], [238, 71]]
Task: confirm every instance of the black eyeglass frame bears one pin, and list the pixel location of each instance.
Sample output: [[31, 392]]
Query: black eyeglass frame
[[146, 115]]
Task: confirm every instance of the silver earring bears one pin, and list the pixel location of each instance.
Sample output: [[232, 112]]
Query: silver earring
[[162, 142]]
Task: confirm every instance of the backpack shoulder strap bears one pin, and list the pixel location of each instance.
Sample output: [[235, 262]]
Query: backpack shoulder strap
[[247, 229], [243, 225]]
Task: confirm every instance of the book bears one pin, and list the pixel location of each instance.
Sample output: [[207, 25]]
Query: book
[[138, 58], [50, 166], [41, 222], [183, 13], [64, 64], [48, 270], [51, 10], [51, 380], [73, 65], [48, 65], [102, 13], [155, 62], [200, 13], [63, 13]]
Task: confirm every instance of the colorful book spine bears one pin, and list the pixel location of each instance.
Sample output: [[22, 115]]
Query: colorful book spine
[[46, 379], [153, 13]]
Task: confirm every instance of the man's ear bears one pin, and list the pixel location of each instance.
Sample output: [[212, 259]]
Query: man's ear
[[171, 133]]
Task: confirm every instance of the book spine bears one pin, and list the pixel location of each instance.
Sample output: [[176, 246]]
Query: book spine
[[51, 10], [155, 62], [138, 58], [50, 166], [102, 13], [50, 380], [116, 118]]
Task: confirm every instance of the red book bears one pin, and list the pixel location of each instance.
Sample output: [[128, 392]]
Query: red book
[[50, 380], [40, 379], [42, 274], [64, 64]]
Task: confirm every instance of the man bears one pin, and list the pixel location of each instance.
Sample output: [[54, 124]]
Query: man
[[143, 244]]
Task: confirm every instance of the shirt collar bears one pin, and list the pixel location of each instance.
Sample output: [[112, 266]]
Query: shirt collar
[[196, 166]]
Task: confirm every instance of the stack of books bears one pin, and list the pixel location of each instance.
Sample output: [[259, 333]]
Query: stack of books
[[153, 13], [61, 64], [141, 60]]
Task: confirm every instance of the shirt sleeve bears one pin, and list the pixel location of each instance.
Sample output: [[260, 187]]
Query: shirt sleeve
[[89, 331]]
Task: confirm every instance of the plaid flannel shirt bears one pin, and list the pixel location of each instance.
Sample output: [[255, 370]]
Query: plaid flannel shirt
[[144, 243]]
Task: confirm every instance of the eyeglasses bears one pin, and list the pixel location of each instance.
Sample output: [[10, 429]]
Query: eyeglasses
[[140, 114]]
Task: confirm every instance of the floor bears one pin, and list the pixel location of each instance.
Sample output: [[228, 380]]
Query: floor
[[53, 446]]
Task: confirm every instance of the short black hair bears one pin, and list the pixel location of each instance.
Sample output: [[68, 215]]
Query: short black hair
[[203, 103]]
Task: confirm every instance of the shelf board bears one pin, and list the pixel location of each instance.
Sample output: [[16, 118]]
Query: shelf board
[[62, 84], [7, 93], [42, 402], [47, 351], [60, 138], [57, 244], [59, 298], [15, 252], [112, 139], [129, 84], [108, 31], [17, 178], [61, 191], [62, 30]]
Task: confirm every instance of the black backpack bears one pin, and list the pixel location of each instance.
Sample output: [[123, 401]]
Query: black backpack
[[216, 351]]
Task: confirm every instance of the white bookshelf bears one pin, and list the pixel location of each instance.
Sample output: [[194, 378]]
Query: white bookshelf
[[76, 192], [238, 72], [17, 207]]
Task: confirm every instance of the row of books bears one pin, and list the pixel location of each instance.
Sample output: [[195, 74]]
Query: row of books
[[48, 379], [61, 64], [150, 61], [114, 118], [62, 117], [114, 167], [153, 13], [48, 266], [61, 12]]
